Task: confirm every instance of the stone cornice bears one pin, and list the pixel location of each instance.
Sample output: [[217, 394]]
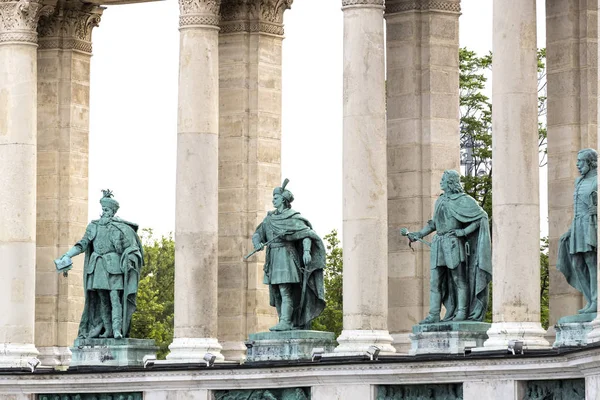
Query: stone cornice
[[398, 6], [199, 13], [264, 16], [70, 28], [348, 3], [19, 19]]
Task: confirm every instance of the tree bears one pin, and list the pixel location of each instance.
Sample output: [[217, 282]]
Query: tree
[[331, 320], [155, 300]]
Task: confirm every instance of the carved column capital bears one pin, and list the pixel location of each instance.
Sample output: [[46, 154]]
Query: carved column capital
[[265, 16], [363, 3], [70, 27], [199, 13], [398, 6], [19, 19]]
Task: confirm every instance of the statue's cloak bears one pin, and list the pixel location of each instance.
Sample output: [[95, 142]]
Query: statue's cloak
[[310, 291], [131, 262], [479, 257]]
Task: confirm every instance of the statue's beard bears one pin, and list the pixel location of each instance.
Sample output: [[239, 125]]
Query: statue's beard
[[105, 219]]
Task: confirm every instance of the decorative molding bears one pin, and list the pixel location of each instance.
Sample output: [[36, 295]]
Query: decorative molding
[[264, 16], [346, 3], [19, 20], [392, 6], [70, 28], [199, 12]]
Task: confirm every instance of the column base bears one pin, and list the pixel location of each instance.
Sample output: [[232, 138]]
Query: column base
[[359, 341], [501, 333], [401, 342], [55, 356], [192, 350], [18, 355], [234, 351]]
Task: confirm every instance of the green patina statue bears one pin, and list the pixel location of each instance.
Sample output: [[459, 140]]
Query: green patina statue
[[113, 259], [577, 252], [294, 263], [461, 266]]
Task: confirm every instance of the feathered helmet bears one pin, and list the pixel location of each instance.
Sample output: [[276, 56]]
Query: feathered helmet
[[281, 190], [108, 201]]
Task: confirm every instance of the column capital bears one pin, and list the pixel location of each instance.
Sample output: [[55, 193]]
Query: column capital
[[70, 27], [363, 3], [264, 16], [398, 6], [199, 13], [19, 20]]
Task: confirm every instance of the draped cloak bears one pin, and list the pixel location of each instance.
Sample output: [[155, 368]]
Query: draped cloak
[[309, 293], [479, 260], [131, 261]]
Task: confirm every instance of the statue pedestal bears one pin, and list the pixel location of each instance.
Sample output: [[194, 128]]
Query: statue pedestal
[[573, 330], [111, 352], [288, 345], [447, 337]]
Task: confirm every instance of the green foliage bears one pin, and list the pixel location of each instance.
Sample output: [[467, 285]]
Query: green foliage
[[331, 320], [155, 300], [544, 284]]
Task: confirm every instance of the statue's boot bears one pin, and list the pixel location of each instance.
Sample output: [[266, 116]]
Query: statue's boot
[[117, 314], [287, 308], [105, 314], [461, 314], [95, 331], [435, 304]]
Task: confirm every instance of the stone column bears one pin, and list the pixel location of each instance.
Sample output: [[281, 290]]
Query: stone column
[[64, 54], [516, 217], [18, 137], [572, 67], [423, 142], [250, 56], [364, 180], [196, 205]]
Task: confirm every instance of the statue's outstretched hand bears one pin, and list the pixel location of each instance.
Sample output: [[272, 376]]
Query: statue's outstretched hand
[[259, 246], [414, 236], [306, 257]]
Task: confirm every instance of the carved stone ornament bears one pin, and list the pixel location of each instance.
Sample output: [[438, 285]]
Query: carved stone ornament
[[346, 3], [199, 12], [70, 28], [265, 16], [19, 19], [398, 6]]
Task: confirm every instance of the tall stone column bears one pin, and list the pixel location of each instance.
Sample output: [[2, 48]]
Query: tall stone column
[[515, 188], [250, 56], [423, 141], [64, 54], [196, 205], [18, 137], [364, 180], [572, 78]]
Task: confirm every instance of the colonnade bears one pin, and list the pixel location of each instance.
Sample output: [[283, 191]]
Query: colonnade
[[401, 131]]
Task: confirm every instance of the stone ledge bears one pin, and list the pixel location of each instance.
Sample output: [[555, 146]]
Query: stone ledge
[[288, 345]]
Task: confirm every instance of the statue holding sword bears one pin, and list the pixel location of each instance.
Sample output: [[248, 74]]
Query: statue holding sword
[[294, 263], [461, 266]]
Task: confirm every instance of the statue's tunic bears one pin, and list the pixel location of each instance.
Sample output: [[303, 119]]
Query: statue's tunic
[[447, 249], [583, 232]]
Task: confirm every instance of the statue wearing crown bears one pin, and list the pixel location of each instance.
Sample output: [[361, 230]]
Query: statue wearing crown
[[295, 258], [113, 259]]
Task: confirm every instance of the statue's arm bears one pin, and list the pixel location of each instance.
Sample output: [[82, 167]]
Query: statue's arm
[[472, 227], [306, 245], [81, 246], [258, 238], [427, 229]]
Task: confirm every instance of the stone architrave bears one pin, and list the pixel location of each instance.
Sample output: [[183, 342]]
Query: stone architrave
[[516, 217], [18, 154], [196, 204], [572, 80], [64, 53], [250, 56], [364, 180], [422, 142]]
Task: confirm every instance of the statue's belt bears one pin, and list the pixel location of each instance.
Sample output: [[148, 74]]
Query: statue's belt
[[281, 244], [447, 233]]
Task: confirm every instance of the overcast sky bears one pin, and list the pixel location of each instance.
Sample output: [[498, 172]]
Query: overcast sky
[[133, 118]]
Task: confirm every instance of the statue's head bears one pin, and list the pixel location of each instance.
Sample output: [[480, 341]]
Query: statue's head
[[282, 196], [587, 159], [109, 205], [451, 182]]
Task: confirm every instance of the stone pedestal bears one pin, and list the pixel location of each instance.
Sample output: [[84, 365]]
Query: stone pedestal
[[111, 352], [288, 345], [447, 337], [570, 334]]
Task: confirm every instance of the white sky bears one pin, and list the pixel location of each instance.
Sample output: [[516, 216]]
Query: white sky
[[133, 117]]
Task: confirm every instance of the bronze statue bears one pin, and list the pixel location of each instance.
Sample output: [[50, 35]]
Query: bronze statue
[[577, 252], [461, 266], [294, 263], [113, 259]]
